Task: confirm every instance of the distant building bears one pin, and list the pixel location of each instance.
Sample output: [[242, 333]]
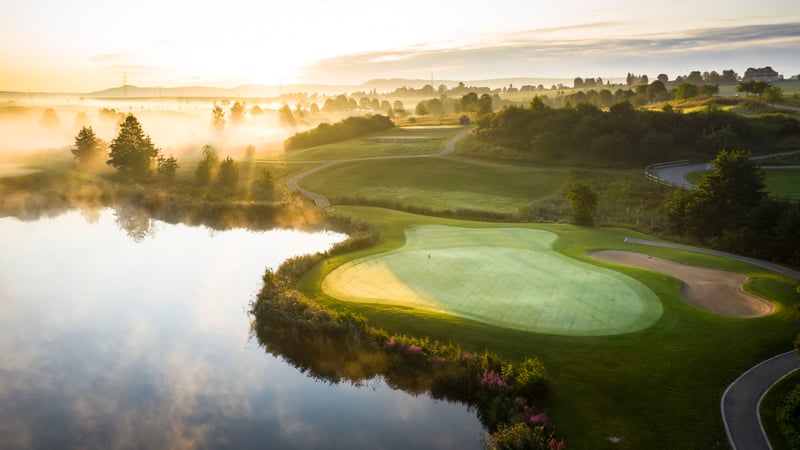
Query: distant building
[[464, 120], [761, 74]]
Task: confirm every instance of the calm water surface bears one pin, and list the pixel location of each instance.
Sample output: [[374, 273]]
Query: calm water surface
[[120, 333]]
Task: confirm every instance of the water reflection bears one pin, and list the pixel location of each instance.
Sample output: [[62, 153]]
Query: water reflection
[[110, 342]]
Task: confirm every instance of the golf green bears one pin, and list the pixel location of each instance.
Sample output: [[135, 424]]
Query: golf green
[[509, 277]]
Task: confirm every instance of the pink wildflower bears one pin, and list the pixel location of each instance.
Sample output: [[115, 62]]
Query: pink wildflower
[[539, 419]]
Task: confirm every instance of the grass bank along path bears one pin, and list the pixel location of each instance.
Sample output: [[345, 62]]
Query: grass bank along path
[[322, 201], [740, 401]]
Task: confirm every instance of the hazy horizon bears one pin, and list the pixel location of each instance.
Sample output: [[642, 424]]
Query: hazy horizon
[[91, 46]]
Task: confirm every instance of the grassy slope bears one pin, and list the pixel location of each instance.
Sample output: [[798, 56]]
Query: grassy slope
[[439, 183], [781, 183], [659, 387], [371, 145]]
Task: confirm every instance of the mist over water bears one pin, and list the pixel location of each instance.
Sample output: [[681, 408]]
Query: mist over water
[[120, 336]]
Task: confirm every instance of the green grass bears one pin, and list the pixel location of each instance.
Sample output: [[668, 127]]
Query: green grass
[[397, 141], [655, 388], [439, 183], [788, 87], [769, 405], [780, 182], [503, 276]]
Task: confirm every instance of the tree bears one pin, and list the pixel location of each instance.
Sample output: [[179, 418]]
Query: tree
[[421, 109], [656, 90], [217, 117], [694, 77], [264, 185], [88, 148], [228, 173], [207, 165], [752, 87], [773, 94], [237, 112], [726, 197], [484, 104], [584, 203], [49, 119], [286, 117], [469, 102], [686, 91], [435, 106], [167, 167], [132, 151], [662, 77], [577, 83], [707, 90], [729, 76]]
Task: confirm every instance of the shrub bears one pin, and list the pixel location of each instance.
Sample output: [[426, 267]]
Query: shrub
[[788, 417]]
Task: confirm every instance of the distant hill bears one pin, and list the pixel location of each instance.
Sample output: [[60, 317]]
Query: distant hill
[[382, 86]]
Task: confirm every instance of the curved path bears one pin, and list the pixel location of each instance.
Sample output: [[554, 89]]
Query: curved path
[[322, 201], [741, 400], [676, 175]]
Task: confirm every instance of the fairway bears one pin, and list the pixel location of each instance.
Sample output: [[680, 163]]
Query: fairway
[[509, 277], [439, 183]]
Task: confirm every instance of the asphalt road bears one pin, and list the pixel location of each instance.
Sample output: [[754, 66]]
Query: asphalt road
[[676, 175]]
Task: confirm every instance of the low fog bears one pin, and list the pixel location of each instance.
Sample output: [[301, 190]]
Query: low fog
[[179, 128]]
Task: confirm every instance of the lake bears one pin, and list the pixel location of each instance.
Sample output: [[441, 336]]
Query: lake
[[122, 333]]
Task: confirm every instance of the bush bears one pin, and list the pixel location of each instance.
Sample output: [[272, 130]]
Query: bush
[[788, 417], [348, 128], [228, 174]]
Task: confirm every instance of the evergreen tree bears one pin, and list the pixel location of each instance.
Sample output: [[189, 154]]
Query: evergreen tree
[[584, 203], [88, 148], [132, 151]]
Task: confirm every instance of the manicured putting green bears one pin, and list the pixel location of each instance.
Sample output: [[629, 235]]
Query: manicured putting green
[[509, 277]]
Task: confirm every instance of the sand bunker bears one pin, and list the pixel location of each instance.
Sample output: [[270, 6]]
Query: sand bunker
[[709, 289]]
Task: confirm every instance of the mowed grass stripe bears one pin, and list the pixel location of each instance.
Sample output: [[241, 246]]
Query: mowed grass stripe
[[509, 277]]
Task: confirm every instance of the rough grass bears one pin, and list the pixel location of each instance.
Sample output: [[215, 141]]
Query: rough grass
[[503, 276], [655, 388], [780, 182]]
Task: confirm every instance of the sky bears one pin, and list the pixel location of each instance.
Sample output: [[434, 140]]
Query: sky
[[55, 45]]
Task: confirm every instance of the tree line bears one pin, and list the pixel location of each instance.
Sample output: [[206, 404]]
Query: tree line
[[585, 135], [348, 128], [730, 211]]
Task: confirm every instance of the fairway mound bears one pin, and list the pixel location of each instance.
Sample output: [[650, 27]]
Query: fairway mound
[[509, 277], [402, 139], [713, 290]]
